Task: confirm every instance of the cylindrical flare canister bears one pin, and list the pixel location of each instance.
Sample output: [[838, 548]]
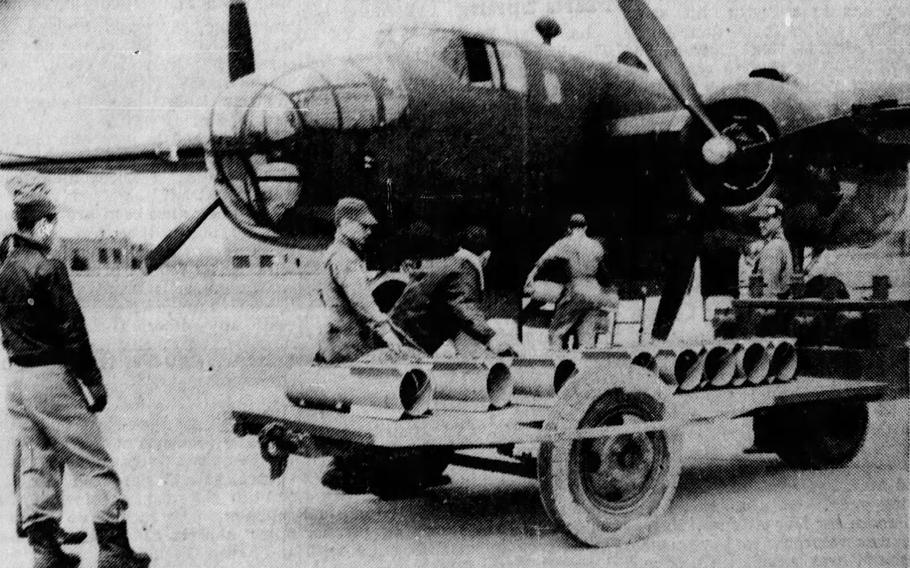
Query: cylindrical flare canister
[[544, 291], [666, 364], [406, 389], [473, 381], [720, 366], [542, 377], [689, 367], [783, 362], [752, 364]]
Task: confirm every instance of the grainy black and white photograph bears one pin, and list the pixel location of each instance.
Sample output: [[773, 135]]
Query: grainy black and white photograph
[[513, 283]]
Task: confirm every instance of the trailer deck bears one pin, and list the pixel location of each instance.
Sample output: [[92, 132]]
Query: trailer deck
[[606, 450], [454, 425]]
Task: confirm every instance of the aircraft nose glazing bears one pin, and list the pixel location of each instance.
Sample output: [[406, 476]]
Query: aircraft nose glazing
[[254, 135], [333, 95], [265, 138]]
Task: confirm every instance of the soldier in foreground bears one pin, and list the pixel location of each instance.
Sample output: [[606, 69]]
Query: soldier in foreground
[[51, 361], [7, 246]]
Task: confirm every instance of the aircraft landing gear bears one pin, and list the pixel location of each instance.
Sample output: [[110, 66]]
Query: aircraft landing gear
[[819, 435]]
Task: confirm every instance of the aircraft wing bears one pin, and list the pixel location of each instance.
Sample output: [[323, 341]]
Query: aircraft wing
[[183, 155], [888, 122]]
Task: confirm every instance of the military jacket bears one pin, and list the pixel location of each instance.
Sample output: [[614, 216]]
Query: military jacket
[[353, 314], [442, 303], [775, 265], [40, 317]]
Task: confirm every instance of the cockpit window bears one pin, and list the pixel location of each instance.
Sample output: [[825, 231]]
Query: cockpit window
[[434, 45], [553, 87], [473, 61], [483, 64], [514, 74]]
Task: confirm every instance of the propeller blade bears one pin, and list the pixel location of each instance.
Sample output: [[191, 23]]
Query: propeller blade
[[663, 54], [176, 238], [679, 274], [241, 60]]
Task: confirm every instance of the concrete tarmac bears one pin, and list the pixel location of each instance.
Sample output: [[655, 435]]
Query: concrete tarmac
[[200, 497]]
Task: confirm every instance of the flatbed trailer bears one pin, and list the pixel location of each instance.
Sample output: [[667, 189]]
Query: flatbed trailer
[[606, 450]]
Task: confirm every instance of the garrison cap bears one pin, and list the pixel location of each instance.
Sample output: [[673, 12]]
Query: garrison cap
[[353, 209], [577, 220], [767, 208], [31, 198]]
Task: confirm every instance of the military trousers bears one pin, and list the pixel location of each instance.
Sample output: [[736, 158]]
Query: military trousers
[[578, 312], [54, 426], [54, 469]]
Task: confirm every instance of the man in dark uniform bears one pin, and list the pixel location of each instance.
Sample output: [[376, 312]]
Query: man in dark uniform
[[7, 245], [355, 324], [51, 361], [446, 301]]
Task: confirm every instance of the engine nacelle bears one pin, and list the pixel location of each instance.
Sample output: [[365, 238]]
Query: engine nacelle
[[840, 187]]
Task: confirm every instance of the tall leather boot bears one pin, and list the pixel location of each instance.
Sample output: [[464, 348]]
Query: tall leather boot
[[42, 536], [114, 550]]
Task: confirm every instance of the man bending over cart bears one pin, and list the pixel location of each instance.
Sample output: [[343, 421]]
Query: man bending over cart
[[445, 303]]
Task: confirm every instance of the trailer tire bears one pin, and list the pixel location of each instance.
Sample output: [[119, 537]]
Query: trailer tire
[[620, 503], [819, 435]]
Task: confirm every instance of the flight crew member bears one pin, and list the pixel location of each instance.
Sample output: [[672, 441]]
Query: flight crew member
[[446, 301], [578, 308], [7, 245], [355, 324], [775, 261], [50, 356]]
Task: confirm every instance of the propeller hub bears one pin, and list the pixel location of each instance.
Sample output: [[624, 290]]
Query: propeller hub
[[718, 149]]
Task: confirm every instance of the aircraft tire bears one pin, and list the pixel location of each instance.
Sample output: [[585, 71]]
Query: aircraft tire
[[820, 435]]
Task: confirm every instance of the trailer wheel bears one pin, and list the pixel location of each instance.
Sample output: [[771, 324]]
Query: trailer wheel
[[815, 436], [610, 491]]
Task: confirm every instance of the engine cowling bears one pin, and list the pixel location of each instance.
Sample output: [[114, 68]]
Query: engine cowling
[[840, 187], [754, 111]]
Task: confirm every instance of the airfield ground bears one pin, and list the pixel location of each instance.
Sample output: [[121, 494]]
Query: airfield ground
[[173, 347]]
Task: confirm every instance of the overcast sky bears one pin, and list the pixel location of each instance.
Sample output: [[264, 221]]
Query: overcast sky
[[82, 73]]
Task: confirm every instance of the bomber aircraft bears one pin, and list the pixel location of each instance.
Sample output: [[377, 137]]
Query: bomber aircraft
[[440, 128]]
